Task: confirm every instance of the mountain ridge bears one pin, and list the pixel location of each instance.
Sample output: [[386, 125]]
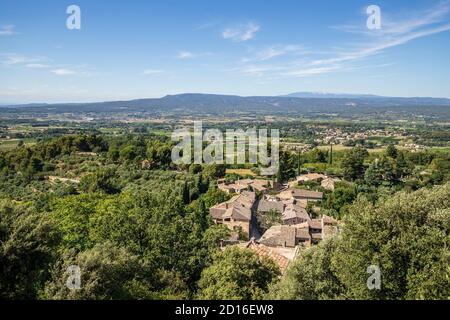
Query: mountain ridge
[[189, 104], [207, 97]]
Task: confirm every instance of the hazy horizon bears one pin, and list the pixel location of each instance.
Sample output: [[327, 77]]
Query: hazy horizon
[[220, 94]]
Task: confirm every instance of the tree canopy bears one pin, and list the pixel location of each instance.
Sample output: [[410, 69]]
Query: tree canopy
[[237, 274], [407, 236]]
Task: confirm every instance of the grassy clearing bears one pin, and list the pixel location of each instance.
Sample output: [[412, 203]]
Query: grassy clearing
[[10, 144], [242, 172], [340, 147]]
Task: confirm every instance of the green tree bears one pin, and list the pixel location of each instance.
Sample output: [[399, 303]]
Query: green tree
[[353, 163], [28, 242], [157, 227], [214, 196], [317, 155], [237, 274], [342, 196], [195, 168], [269, 219], [201, 215], [186, 193], [72, 215], [407, 236], [103, 180], [310, 276], [214, 171], [381, 172], [286, 168], [129, 153], [113, 154], [374, 174], [391, 151], [159, 154], [404, 167], [108, 272]]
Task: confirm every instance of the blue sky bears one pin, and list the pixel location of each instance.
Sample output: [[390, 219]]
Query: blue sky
[[139, 49]]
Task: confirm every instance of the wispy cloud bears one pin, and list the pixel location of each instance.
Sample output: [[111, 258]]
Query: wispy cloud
[[185, 55], [63, 72], [378, 47], [241, 33], [304, 72], [14, 59], [150, 72], [7, 30], [270, 53], [208, 25], [396, 31], [257, 70], [275, 51], [404, 23], [37, 65]]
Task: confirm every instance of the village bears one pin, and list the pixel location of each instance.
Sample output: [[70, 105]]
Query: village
[[295, 229]]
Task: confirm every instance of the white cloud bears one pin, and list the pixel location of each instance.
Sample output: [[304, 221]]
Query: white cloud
[[185, 55], [36, 65], [369, 45], [190, 55], [63, 72], [256, 70], [376, 47], [7, 30], [345, 60], [208, 25], [277, 51], [312, 71], [402, 24], [14, 59], [270, 53], [241, 33], [434, 16]]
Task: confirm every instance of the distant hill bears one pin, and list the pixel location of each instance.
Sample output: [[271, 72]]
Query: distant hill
[[324, 95], [309, 103]]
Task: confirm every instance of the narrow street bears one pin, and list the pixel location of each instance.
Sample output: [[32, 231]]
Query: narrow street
[[254, 232]]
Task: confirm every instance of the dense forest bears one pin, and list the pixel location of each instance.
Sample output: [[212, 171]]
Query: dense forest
[[139, 227]]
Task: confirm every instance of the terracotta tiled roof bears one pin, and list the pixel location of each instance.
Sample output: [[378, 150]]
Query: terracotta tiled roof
[[303, 234], [238, 208], [328, 220], [300, 193], [266, 206], [279, 236], [311, 176], [244, 182], [316, 236], [315, 224], [265, 251], [295, 211], [328, 184]]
